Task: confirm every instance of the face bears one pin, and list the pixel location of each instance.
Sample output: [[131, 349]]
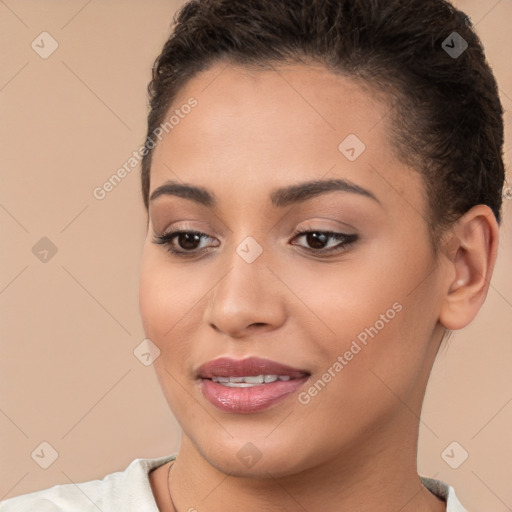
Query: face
[[333, 285]]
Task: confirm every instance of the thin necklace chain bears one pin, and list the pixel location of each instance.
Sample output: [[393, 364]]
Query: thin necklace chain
[[169, 486]]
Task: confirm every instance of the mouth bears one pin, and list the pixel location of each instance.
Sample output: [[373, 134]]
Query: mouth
[[248, 385]]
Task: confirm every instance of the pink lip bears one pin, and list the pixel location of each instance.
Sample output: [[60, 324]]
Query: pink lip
[[251, 366], [248, 399]]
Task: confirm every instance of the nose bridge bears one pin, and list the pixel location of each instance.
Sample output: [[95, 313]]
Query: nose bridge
[[246, 293], [243, 281]]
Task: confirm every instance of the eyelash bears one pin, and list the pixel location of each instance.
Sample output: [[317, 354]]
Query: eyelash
[[346, 241]]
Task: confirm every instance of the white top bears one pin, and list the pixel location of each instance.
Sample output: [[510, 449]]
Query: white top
[[130, 491]]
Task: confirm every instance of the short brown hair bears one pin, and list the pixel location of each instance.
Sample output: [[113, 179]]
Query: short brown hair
[[447, 116]]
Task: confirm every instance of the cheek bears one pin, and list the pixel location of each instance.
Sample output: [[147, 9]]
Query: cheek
[[396, 349], [164, 302], [162, 290], [150, 302], [170, 301], [347, 296], [377, 316], [161, 297]]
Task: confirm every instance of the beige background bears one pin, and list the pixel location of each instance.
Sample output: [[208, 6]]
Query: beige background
[[68, 374]]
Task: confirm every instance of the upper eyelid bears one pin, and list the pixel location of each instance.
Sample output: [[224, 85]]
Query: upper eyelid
[[296, 232], [342, 229]]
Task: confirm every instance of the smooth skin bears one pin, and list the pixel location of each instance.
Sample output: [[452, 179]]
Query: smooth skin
[[354, 445]]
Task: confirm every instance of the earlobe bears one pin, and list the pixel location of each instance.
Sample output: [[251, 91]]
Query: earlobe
[[469, 266]]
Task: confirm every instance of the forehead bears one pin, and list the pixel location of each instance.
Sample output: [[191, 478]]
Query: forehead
[[259, 129]]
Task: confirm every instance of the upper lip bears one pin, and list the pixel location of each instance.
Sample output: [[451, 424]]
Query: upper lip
[[251, 366]]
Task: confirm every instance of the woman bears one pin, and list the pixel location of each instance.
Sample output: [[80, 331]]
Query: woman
[[323, 181]]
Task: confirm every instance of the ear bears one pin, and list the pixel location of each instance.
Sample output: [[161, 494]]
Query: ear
[[470, 257]]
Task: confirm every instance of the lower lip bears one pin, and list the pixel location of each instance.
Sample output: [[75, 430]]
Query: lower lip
[[249, 399]]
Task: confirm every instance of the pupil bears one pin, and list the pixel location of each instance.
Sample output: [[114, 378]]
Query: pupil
[[189, 238], [313, 240]]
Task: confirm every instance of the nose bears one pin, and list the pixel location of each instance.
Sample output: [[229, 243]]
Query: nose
[[247, 297]]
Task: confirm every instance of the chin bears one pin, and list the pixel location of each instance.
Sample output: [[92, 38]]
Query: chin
[[255, 459]]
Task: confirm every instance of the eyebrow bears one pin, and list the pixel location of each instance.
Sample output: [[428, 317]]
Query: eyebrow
[[280, 197]]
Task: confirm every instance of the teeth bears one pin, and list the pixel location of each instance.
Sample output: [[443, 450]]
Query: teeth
[[235, 379], [249, 381]]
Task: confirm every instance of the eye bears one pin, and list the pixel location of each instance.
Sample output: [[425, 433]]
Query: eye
[[187, 240], [319, 241]]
